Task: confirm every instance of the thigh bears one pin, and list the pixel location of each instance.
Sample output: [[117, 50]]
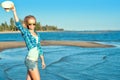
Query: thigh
[[34, 74], [28, 76]]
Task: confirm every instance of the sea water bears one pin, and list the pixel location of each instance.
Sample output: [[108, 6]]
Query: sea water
[[64, 63], [67, 62], [104, 36]]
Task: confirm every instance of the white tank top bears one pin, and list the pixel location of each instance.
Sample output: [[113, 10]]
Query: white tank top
[[33, 53]]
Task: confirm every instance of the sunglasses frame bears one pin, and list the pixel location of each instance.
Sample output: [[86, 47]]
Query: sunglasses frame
[[32, 24]]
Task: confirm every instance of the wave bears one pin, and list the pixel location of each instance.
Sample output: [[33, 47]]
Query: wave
[[65, 58], [12, 67], [94, 65], [117, 44], [58, 76], [9, 68]]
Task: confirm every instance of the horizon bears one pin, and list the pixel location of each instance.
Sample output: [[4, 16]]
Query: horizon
[[84, 15]]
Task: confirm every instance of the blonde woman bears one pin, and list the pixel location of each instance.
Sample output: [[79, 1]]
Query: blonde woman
[[32, 40]]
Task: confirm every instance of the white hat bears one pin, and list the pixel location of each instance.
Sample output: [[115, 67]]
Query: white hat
[[7, 4]]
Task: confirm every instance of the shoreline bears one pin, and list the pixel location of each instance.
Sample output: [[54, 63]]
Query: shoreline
[[5, 32], [15, 44]]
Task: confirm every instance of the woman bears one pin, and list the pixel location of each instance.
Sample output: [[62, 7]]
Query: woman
[[32, 40]]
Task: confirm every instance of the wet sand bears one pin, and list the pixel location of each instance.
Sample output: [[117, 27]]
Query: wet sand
[[7, 45]]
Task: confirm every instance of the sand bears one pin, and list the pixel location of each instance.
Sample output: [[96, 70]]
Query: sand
[[7, 45]]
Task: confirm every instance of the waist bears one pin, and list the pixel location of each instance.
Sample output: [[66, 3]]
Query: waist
[[33, 54], [31, 46]]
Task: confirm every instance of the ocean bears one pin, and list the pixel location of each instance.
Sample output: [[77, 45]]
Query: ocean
[[69, 35], [66, 62]]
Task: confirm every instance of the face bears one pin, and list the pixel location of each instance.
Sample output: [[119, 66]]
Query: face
[[31, 24]]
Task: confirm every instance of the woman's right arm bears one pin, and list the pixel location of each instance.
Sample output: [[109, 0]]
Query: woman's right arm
[[17, 22], [15, 14]]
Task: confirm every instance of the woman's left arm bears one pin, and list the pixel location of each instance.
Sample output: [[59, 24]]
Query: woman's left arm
[[42, 61], [41, 56]]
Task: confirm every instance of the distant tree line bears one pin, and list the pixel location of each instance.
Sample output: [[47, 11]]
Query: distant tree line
[[11, 27]]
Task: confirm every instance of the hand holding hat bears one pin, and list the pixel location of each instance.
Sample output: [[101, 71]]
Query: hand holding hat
[[7, 5]]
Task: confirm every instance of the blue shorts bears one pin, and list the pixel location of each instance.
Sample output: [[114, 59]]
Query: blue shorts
[[31, 65]]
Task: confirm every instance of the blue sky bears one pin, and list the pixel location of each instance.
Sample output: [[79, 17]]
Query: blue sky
[[75, 15]]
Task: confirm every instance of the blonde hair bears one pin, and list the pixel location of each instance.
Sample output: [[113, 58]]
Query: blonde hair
[[27, 18]]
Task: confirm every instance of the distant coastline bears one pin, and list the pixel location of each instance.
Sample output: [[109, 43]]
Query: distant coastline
[[87, 31], [1, 32], [12, 27]]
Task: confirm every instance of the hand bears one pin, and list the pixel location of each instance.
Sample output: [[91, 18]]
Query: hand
[[43, 65], [8, 5], [13, 7]]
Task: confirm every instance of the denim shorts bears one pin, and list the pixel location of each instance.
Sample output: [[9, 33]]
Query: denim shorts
[[31, 65]]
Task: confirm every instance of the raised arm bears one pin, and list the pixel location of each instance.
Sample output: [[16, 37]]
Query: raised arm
[[15, 14], [17, 22]]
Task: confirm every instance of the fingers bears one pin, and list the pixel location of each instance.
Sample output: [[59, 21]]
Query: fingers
[[43, 66], [12, 7]]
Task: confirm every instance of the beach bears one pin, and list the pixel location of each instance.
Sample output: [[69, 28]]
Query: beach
[[7, 45]]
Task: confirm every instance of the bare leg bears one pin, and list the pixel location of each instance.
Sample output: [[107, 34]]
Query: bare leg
[[28, 76], [34, 74]]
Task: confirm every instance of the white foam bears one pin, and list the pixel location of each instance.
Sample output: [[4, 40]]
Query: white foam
[[117, 44]]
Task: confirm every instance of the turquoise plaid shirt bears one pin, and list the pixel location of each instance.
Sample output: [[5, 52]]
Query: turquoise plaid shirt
[[29, 39]]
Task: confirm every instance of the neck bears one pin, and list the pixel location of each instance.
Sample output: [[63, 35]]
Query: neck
[[31, 30]]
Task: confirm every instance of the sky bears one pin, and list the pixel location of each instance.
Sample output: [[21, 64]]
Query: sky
[[73, 15]]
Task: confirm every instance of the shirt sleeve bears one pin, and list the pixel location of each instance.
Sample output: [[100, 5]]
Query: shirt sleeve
[[40, 49], [20, 27]]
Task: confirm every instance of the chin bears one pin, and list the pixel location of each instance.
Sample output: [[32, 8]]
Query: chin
[[31, 29]]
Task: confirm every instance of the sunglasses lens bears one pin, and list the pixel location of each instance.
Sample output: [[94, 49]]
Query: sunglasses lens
[[31, 24]]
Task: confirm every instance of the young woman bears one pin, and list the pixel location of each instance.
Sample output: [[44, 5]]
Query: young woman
[[32, 40]]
